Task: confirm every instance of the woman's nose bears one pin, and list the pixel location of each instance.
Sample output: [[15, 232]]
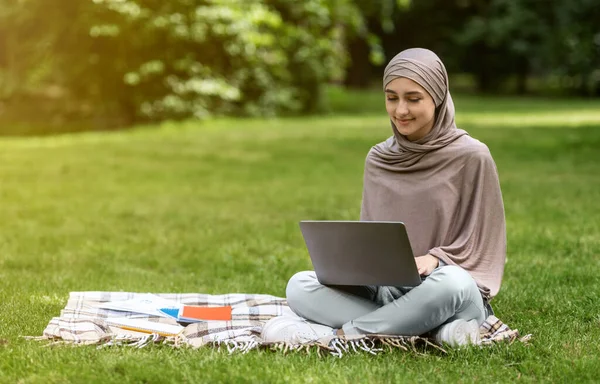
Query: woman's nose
[[401, 108]]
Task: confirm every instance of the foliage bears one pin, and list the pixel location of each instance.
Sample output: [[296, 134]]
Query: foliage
[[156, 59], [575, 48], [526, 36], [115, 62], [365, 48]]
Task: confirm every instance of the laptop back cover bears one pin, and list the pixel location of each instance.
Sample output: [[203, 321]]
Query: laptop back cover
[[360, 253]]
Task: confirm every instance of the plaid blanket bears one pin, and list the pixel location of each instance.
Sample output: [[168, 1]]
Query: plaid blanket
[[82, 322]]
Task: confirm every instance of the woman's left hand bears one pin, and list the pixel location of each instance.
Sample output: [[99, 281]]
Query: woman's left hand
[[426, 264]]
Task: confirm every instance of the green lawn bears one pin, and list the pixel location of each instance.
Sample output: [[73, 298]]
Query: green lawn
[[213, 207]]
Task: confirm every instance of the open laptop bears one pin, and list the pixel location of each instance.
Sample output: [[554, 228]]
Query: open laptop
[[360, 253]]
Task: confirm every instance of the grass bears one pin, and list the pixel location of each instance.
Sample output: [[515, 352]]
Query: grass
[[213, 207]]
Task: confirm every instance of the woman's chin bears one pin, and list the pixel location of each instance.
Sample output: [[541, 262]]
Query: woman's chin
[[405, 131]]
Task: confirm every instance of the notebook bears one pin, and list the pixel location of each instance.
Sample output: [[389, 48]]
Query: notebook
[[194, 313], [145, 326], [147, 304]]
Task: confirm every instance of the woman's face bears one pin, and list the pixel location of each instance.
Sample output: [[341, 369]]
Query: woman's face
[[410, 107]]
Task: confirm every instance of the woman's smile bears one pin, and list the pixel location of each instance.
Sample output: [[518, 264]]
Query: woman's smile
[[404, 122]]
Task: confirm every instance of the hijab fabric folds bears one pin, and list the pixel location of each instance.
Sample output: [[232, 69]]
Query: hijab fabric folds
[[444, 186]]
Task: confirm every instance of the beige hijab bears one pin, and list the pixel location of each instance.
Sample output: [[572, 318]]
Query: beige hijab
[[444, 187]]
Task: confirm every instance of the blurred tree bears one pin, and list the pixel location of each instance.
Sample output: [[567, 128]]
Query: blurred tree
[[494, 40], [501, 38], [573, 51], [365, 46], [120, 61], [20, 55], [53, 62], [429, 24], [521, 37], [125, 60]]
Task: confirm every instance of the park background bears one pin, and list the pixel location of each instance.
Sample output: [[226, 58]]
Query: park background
[[172, 146]]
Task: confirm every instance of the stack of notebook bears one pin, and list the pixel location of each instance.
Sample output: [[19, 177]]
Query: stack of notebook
[[146, 313]]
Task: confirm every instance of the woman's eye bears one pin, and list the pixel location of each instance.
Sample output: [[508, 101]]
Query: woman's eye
[[413, 100], [392, 99]]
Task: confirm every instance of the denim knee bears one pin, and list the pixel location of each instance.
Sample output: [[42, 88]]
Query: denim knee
[[456, 281], [461, 290], [298, 286]]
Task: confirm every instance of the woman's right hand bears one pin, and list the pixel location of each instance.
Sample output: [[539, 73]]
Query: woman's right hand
[[426, 264]]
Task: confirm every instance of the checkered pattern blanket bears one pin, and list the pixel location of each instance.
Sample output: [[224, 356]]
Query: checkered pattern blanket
[[82, 322]]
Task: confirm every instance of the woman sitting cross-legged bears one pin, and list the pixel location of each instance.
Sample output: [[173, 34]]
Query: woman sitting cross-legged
[[443, 185]]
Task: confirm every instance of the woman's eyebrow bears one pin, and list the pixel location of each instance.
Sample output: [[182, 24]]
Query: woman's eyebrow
[[409, 93]]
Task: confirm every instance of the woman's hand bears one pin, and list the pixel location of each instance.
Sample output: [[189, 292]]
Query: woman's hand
[[426, 264]]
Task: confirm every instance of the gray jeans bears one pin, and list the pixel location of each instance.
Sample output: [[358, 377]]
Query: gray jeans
[[448, 294]]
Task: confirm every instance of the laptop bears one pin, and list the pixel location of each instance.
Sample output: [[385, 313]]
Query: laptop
[[360, 253]]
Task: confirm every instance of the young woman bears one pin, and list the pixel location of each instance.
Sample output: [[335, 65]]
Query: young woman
[[443, 185]]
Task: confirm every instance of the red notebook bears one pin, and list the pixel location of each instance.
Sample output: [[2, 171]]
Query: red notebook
[[194, 313]]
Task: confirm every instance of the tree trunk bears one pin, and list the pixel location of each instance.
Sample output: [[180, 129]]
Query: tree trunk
[[522, 74], [484, 79], [358, 74]]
